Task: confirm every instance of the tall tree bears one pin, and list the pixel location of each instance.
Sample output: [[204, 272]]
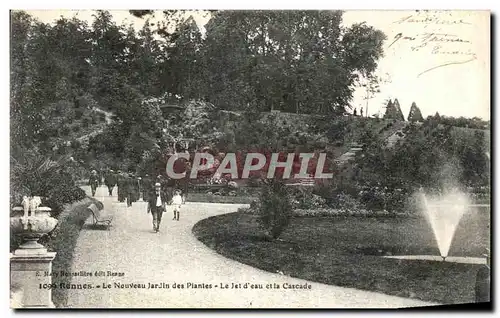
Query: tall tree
[[301, 61], [393, 111], [415, 115], [185, 61]]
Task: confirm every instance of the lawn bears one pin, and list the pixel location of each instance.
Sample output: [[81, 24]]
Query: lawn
[[346, 251]]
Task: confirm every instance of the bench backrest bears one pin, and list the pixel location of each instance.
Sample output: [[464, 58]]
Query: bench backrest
[[95, 210]]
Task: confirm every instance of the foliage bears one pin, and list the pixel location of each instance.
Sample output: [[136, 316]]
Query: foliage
[[304, 198], [297, 61], [415, 114], [275, 208], [393, 111], [430, 156], [35, 175], [63, 241], [473, 123], [247, 62]]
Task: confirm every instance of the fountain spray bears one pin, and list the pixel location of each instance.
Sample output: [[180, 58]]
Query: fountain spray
[[444, 213]]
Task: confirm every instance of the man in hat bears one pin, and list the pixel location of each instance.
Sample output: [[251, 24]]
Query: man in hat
[[93, 181], [157, 205], [110, 181]]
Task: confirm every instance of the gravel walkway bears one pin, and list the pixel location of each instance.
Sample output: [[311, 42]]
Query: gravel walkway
[[174, 255]]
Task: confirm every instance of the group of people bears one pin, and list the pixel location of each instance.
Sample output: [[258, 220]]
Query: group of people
[[158, 192]]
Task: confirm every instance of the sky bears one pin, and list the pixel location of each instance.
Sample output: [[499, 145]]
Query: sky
[[438, 59]]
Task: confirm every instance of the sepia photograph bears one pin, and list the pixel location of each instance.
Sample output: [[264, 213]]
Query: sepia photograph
[[250, 159]]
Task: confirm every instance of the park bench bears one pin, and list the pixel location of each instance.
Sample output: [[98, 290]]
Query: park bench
[[98, 218]]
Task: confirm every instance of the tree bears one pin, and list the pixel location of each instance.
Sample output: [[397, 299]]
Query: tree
[[275, 208], [372, 87], [299, 61], [393, 111], [399, 114], [185, 65], [415, 115]]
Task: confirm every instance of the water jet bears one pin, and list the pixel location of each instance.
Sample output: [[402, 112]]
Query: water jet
[[444, 213]]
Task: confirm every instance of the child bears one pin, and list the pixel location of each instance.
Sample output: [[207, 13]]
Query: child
[[177, 201]]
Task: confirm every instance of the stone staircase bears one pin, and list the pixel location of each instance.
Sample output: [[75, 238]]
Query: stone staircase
[[350, 155], [397, 133], [392, 136]]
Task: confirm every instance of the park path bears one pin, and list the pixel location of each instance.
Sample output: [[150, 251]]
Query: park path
[[175, 255]]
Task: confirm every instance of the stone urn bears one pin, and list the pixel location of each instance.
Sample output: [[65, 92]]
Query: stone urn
[[30, 222]]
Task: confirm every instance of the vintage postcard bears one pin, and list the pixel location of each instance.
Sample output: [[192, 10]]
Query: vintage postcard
[[249, 159]]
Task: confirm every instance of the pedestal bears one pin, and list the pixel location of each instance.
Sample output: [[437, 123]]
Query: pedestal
[[31, 275]]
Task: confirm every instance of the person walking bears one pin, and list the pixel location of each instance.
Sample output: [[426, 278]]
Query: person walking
[[110, 181], [121, 186], [137, 188], [94, 181], [130, 186], [157, 205], [177, 202]]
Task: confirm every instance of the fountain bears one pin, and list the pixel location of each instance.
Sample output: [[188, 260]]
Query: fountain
[[444, 214], [31, 263]]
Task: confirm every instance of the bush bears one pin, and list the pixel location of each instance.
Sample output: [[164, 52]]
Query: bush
[[304, 198], [102, 117], [58, 196], [35, 175], [65, 130], [63, 241], [275, 208], [254, 181], [373, 199], [329, 212], [85, 122], [346, 202], [78, 113], [75, 144]]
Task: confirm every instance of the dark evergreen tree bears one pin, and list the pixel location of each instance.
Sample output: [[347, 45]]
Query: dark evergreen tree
[[415, 115]]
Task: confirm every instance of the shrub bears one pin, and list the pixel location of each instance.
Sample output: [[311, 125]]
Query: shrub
[[275, 208], [63, 240], [102, 117], [78, 113], [35, 175], [304, 198], [346, 202], [60, 195], [75, 144], [329, 212], [65, 130], [85, 122], [373, 199], [254, 181]]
